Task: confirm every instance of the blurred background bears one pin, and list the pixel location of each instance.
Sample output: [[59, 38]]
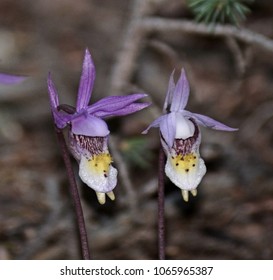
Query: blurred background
[[231, 80]]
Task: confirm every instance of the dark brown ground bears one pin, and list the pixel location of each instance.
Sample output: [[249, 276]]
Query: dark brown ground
[[232, 217]]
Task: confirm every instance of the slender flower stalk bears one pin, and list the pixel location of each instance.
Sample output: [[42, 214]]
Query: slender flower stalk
[[88, 136], [161, 206], [75, 195]]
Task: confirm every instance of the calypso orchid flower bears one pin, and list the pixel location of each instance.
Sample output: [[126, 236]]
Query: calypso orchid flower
[[89, 133], [6, 79], [180, 137]]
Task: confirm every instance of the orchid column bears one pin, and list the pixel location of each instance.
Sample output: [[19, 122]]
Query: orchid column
[[88, 136]]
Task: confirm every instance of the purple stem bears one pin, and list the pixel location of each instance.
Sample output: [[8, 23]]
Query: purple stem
[[161, 200], [75, 196]]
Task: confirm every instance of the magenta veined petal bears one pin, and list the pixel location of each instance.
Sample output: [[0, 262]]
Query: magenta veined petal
[[7, 79], [88, 125], [181, 93], [87, 82]]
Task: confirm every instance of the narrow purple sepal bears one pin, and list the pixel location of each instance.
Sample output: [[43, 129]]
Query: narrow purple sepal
[[53, 94], [127, 110], [170, 91], [88, 125], [7, 79], [87, 82], [155, 123], [181, 93], [60, 118], [168, 128], [209, 122], [111, 104]]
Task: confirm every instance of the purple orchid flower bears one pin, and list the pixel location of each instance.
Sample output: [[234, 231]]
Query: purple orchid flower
[[88, 132], [7, 79], [181, 137]]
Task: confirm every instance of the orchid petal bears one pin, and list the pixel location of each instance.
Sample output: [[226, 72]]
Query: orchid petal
[[155, 123], [129, 109], [6, 79], [86, 82], [114, 103], [181, 93], [168, 128], [88, 125], [61, 119], [169, 96], [209, 122], [53, 94]]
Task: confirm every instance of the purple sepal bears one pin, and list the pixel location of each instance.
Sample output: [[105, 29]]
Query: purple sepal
[[168, 128], [60, 118], [181, 93], [170, 91], [209, 122], [117, 105], [155, 123], [7, 79], [87, 82]]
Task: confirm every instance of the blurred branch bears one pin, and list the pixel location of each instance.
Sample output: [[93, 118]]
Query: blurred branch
[[164, 49], [160, 25], [142, 24], [240, 57], [125, 64]]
